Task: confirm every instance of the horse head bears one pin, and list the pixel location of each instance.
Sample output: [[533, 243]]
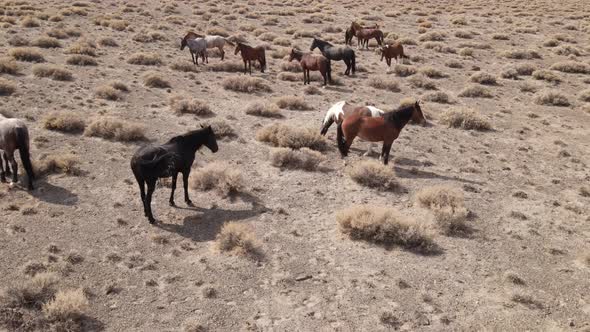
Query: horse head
[[417, 115], [211, 142], [314, 44], [293, 55], [182, 43], [237, 50]]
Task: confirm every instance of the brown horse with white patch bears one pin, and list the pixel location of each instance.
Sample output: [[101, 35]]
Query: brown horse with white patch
[[250, 54], [392, 51], [313, 62], [363, 35], [384, 129]]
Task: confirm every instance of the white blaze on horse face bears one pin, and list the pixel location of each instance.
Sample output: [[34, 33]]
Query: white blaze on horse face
[[335, 111]]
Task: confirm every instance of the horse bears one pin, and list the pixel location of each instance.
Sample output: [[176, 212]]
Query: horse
[[14, 135], [384, 129], [363, 35], [213, 41], [152, 162], [348, 34], [336, 53], [392, 51], [196, 46], [250, 54], [314, 62], [341, 110]]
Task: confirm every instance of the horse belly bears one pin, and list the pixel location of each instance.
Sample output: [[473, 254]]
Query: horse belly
[[371, 134]]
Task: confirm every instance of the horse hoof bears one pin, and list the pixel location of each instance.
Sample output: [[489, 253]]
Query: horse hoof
[[189, 203], [152, 220], [172, 203]]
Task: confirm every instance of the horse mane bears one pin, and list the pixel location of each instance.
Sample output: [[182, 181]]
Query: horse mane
[[400, 116]]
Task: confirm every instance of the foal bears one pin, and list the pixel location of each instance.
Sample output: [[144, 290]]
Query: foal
[[379, 129], [314, 62], [250, 54], [14, 135], [176, 156]]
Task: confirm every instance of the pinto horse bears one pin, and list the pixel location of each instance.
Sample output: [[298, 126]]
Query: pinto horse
[[250, 54], [213, 41], [14, 135], [336, 53], [363, 35], [392, 51], [314, 62], [384, 129], [341, 110], [152, 162]]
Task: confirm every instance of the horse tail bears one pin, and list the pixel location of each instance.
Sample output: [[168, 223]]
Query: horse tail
[[340, 139], [22, 139], [353, 62], [229, 42]]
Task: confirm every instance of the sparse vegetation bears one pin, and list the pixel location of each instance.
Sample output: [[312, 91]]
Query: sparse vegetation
[[384, 84], [145, 59], [198, 107], [219, 176], [246, 84], [448, 207], [237, 238], [81, 60], [6, 87], [572, 67], [483, 78], [373, 174], [403, 70], [8, 66], [551, 98], [115, 129], [26, 54], [475, 91], [84, 47], [522, 54], [546, 75], [66, 122], [154, 80], [57, 164], [438, 97], [304, 158], [292, 137], [465, 119], [52, 71], [292, 103], [46, 42]]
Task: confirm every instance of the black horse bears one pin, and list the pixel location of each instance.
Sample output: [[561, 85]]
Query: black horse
[[336, 53], [176, 156], [348, 34]]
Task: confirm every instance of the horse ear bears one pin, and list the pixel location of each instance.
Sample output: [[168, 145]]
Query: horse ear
[[202, 126]]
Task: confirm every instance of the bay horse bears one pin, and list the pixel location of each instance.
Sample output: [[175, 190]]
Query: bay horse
[[348, 34], [384, 129], [213, 41], [341, 110], [392, 51], [313, 62], [14, 135], [336, 53], [197, 46], [250, 54], [152, 162], [363, 35]]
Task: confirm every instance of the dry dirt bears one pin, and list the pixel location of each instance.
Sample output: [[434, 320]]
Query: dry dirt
[[522, 180]]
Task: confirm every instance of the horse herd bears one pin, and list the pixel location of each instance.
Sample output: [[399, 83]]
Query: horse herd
[[151, 162]]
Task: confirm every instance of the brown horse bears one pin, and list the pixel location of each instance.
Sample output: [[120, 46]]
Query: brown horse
[[348, 34], [250, 54], [341, 110], [377, 129], [314, 62], [392, 51], [363, 35]]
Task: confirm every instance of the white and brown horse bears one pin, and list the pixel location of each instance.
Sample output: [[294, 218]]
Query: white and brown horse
[[14, 135], [212, 41]]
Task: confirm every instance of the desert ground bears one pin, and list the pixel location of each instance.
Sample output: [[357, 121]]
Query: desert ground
[[480, 221]]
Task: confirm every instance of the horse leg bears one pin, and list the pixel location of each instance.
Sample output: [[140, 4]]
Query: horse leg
[[193, 57], [174, 177], [151, 186], [222, 53], [250, 66], [385, 152], [348, 66], [141, 183], [13, 165], [245, 67], [6, 166], [185, 175], [2, 172]]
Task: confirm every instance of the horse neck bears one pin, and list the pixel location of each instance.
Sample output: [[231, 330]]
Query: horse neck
[[194, 141], [401, 117]]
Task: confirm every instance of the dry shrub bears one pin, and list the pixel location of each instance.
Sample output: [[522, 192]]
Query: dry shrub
[[145, 59], [483, 78], [218, 31], [475, 91], [184, 67], [65, 122], [432, 72], [31, 293], [527, 300], [81, 60], [438, 97], [293, 67], [305, 159], [459, 21], [222, 177], [500, 36], [292, 137], [525, 69], [292, 103], [29, 22], [510, 73], [57, 164], [52, 71], [67, 305], [521, 54], [26, 54], [432, 36], [8, 66], [551, 98], [439, 47], [222, 129], [115, 129], [289, 77], [467, 51], [465, 119], [17, 41], [237, 238], [567, 50], [263, 109], [454, 64], [373, 174], [154, 80], [572, 67], [108, 92], [46, 42], [551, 43], [246, 84], [421, 81], [546, 75], [6, 87], [107, 41], [384, 84], [585, 95], [82, 46], [528, 87], [57, 33], [190, 106], [403, 70], [312, 90], [448, 206], [118, 25], [407, 41], [463, 34], [228, 66], [385, 226]]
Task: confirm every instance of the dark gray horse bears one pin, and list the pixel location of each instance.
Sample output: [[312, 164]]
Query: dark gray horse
[[14, 135], [152, 162], [336, 53]]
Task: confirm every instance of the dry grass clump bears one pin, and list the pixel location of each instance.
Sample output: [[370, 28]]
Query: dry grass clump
[[8, 66], [567, 50], [18, 41], [57, 164], [82, 46], [65, 122], [466, 51], [439, 47], [108, 92], [222, 129], [421, 81], [46, 42], [546, 75], [237, 238], [26, 54], [475, 91], [246, 84], [292, 137], [463, 34], [483, 78], [465, 119], [145, 59], [6, 87], [373, 174], [521, 54], [52, 71], [228, 66], [289, 77], [404, 71], [585, 95], [266, 110], [527, 300], [190, 106], [448, 206], [222, 177], [407, 41], [29, 22], [154, 80], [184, 67], [67, 305], [454, 64], [305, 159], [432, 72], [551, 98], [292, 103], [510, 73], [31, 293], [312, 90], [432, 36], [107, 41], [438, 97], [528, 87], [218, 31], [384, 84], [572, 67], [385, 226], [525, 69], [115, 129], [81, 60]]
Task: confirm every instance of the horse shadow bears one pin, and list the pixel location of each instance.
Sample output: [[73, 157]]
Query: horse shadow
[[414, 173], [54, 195]]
